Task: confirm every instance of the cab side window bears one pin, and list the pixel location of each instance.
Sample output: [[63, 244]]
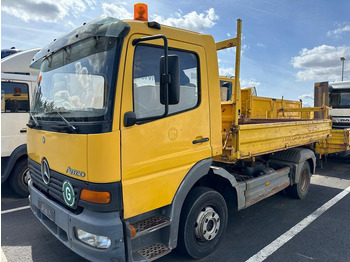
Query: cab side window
[[146, 74], [14, 97], [226, 90]]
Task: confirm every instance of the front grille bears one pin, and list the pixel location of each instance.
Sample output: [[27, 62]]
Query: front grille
[[54, 189]]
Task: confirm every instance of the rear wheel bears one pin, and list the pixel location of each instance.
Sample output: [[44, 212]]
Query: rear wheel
[[301, 189], [19, 178], [203, 222]]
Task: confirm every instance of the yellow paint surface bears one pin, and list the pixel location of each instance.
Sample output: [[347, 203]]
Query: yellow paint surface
[[97, 155], [338, 142]]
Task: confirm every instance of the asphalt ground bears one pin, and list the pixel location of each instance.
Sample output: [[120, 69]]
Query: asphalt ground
[[271, 230]]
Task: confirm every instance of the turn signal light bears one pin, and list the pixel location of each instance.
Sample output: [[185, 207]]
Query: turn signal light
[[141, 12], [96, 197], [133, 230]]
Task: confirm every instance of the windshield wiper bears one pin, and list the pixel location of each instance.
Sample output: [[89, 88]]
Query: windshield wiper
[[36, 123], [69, 125]]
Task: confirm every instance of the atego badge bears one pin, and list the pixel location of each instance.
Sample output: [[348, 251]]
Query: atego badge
[[68, 193]]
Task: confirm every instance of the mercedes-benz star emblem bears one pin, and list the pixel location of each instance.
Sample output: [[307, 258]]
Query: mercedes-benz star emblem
[[45, 171]]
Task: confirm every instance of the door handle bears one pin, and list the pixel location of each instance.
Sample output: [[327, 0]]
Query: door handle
[[24, 130], [202, 140]]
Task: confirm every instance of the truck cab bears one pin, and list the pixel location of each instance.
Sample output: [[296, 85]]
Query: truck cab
[[17, 83], [337, 96], [97, 112], [339, 100]]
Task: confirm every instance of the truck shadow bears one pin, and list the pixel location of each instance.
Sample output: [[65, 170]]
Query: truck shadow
[[250, 230], [10, 199]]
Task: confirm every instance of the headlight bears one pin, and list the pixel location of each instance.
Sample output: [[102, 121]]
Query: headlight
[[101, 242]]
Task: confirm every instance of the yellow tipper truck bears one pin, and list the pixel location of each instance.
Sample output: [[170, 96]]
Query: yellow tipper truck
[[131, 151], [336, 95]]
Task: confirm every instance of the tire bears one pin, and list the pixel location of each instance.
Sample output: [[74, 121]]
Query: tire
[[19, 178], [203, 222], [300, 190]]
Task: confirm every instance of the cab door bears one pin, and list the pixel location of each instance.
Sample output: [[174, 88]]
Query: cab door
[[157, 154], [14, 115]]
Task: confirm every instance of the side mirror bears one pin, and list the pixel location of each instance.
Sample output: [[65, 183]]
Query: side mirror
[[174, 81], [129, 119]]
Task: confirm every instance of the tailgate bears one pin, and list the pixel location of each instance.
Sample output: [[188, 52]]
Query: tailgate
[[338, 142]]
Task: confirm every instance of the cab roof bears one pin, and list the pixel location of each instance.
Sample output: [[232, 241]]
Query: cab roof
[[105, 26], [112, 27]]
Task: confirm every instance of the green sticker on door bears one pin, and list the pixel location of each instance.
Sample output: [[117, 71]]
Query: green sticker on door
[[68, 193]]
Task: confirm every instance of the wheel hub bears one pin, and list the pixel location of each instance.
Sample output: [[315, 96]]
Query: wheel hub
[[207, 224]]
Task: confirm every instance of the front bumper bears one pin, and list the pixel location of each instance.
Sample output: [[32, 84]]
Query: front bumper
[[63, 222]]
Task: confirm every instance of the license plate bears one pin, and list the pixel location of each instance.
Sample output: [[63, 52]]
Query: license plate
[[47, 210]]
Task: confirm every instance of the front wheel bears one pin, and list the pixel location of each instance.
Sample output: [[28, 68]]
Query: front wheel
[[301, 189], [203, 222], [19, 178]]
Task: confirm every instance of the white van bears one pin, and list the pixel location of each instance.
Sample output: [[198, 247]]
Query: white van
[[17, 82]]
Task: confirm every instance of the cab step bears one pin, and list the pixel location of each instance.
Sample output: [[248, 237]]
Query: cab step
[[150, 224], [154, 251]]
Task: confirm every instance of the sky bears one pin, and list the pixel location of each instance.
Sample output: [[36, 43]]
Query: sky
[[287, 44]]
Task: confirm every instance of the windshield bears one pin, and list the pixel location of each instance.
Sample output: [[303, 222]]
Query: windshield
[[77, 81], [340, 98]]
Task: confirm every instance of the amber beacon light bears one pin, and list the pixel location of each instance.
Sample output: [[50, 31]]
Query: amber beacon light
[[141, 12]]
